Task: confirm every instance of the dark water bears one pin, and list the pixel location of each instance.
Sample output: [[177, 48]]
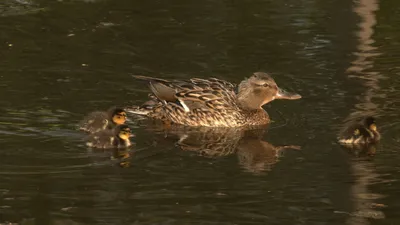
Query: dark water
[[63, 59]]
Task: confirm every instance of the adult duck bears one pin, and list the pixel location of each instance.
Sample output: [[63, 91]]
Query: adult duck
[[211, 102]]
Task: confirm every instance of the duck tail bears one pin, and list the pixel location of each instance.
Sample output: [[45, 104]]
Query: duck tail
[[137, 110], [149, 79], [145, 108]]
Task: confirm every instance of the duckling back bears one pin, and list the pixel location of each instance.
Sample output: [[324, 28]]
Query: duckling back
[[360, 133], [109, 138], [355, 135], [95, 122], [102, 139]]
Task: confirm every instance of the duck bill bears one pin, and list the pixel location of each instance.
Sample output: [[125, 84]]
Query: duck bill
[[282, 94]]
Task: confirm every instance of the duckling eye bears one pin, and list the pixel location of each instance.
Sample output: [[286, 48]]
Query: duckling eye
[[266, 85]]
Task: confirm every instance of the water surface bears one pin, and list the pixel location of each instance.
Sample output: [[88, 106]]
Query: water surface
[[64, 59]]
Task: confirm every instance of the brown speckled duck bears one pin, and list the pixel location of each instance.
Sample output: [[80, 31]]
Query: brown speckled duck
[[211, 102]]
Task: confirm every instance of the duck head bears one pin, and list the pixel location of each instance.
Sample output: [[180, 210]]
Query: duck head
[[370, 123], [118, 115], [260, 89], [124, 132]]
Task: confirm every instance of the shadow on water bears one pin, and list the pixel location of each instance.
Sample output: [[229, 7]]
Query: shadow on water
[[64, 59]]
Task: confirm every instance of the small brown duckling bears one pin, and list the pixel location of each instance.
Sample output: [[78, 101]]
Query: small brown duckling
[[365, 132], [115, 138], [98, 121]]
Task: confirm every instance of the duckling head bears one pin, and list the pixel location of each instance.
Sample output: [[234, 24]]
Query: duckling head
[[118, 116], [260, 89], [124, 132], [370, 123]]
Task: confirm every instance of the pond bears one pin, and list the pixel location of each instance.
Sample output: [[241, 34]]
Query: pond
[[61, 60]]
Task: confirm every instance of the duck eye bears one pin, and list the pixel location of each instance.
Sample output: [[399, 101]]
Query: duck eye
[[266, 85]]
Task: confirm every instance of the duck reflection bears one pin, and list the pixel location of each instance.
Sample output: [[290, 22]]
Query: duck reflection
[[257, 156], [210, 142], [254, 154]]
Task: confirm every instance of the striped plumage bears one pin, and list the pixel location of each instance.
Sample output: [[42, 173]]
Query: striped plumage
[[211, 102]]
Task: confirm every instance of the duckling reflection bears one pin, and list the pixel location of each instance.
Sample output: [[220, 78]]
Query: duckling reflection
[[257, 156], [118, 157], [122, 157], [361, 151]]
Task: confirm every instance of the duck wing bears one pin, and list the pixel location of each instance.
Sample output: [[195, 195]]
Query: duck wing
[[195, 93], [164, 90]]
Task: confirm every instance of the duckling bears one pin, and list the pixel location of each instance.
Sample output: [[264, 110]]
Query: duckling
[[97, 121], [365, 132], [115, 138]]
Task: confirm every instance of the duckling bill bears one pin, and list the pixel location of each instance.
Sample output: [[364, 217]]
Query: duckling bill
[[98, 121], [365, 132], [115, 138], [211, 102]]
